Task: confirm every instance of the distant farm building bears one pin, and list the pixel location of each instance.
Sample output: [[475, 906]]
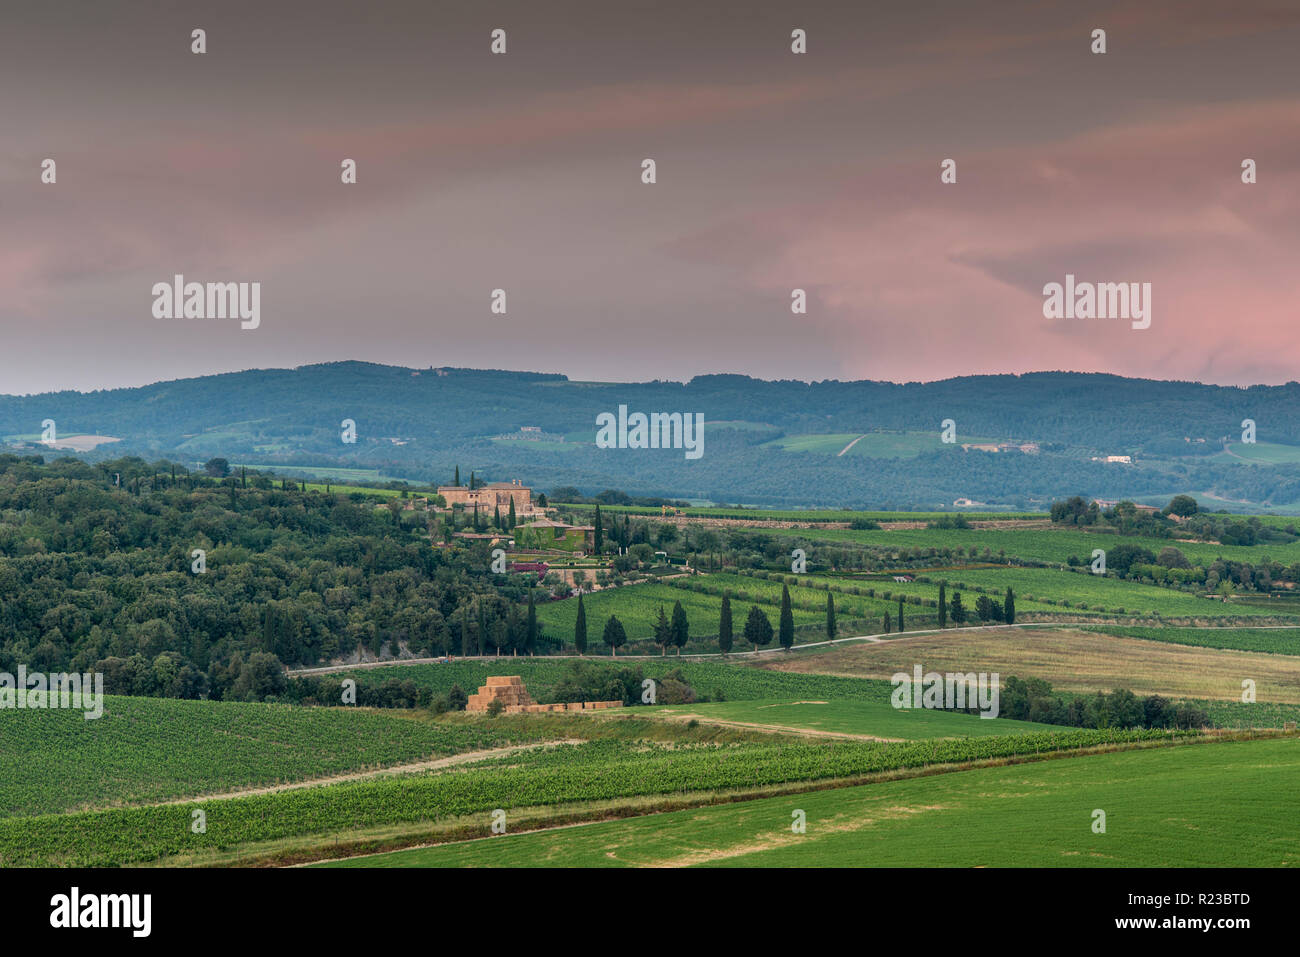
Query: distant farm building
[[546, 533]]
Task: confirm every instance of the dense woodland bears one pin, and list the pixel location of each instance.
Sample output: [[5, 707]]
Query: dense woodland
[[440, 417], [94, 576]]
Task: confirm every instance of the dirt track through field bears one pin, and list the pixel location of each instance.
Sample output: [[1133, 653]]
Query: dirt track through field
[[781, 728], [431, 764]]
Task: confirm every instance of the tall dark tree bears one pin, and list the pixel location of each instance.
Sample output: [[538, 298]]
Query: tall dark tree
[[457, 699], [884, 624], [758, 630], [496, 517], [599, 534], [1009, 607], [580, 628], [511, 521], [724, 626], [943, 604], [663, 632], [614, 635], [957, 609], [681, 627], [530, 635], [831, 627], [456, 481], [901, 626], [785, 628]]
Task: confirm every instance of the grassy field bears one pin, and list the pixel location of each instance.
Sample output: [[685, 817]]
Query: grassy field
[[1037, 544], [1275, 641], [876, 445], [637, 607], [1261, 453], [1071, 659], [715, 679], [876, 719], [1083, 592], [1210, 805], [810, 515], [153, 749], [593, 771], [809, 594]]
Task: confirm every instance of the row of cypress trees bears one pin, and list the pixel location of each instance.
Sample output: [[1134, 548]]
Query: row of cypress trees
[[675, 630]]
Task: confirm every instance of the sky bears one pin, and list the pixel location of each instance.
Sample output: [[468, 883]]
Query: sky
[[775, 171]]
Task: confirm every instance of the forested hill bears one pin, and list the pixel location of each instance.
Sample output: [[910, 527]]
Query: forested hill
[[771, 442]]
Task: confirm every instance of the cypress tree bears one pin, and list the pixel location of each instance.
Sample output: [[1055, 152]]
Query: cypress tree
[[830, 617], [943, 604], [456, 480], [758, 630], [663, 632], [580, 629], [496, 517], [511, 521], [530, 636], [599, 536], [724, 626], [785, 630], [901, 626], [681, 629], [1009, 607], [885, 622]]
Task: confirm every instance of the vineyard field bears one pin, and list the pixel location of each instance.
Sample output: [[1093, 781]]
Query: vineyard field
[[594, 771], [875, 718], [146, 750], [1034, 815]]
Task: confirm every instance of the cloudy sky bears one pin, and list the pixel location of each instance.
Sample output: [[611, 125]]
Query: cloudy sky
[[775, 171]]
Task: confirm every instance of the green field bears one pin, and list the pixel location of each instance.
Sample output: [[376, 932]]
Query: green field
[[637, 607], [1277, 641], [1210, 805], [875, 718], [811, 515], [536, 445], [594, 771], [1036, 588], [324, 472], [732, 682], [154, 749], [1034, 544], [851, 600], [878, 445], [1260, 453]]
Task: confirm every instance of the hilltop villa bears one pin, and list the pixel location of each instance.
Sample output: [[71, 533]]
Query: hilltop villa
[[487, 498]]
